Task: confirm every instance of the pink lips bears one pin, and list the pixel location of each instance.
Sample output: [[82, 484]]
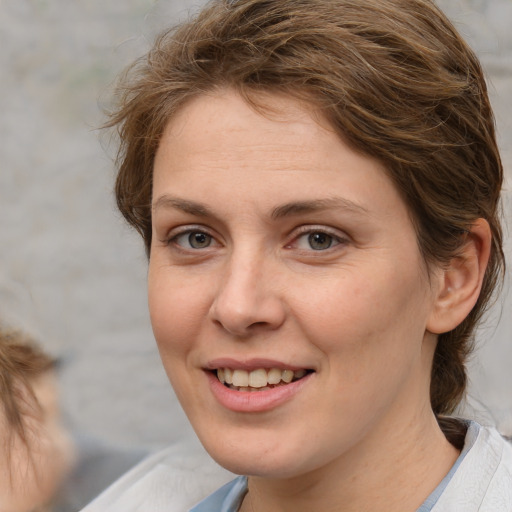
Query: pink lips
[[249, 364], [253, 401]]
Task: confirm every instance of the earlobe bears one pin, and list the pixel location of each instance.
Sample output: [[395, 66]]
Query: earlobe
[[460, 283]]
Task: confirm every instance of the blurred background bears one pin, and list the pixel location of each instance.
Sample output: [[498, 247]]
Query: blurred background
[[72, 273]]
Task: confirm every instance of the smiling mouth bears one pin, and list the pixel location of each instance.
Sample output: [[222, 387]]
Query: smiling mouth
[[260, 379]]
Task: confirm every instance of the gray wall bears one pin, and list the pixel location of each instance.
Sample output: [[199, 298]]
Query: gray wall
[[71, 272]]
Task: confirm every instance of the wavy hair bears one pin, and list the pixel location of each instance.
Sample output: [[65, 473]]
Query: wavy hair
[[393, 77]]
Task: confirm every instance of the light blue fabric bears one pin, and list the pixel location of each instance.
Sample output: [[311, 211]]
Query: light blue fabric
[[471, 435], [229, 497], [226, 499]]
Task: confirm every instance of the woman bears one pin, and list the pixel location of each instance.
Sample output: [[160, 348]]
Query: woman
[[317, 186]]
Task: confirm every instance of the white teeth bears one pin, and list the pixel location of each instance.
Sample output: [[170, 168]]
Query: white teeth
[[259, 379], [287, 376], [274, 376], [240, 378]]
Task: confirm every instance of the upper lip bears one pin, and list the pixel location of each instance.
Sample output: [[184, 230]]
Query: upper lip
[[251, 364]]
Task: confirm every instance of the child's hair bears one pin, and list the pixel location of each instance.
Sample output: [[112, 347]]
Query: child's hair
[[21, 361], [36, 451]]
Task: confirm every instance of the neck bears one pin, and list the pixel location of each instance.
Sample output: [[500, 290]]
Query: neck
[[397, 475]]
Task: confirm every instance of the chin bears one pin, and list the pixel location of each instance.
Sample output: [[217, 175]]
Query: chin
[[256, 458], [258, 468]]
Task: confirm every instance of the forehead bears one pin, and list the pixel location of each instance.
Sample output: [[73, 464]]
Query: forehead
[[244, 127], [285, 153]]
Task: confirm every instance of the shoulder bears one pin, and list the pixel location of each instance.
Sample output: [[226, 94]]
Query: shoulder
[[172, 480], [483, 481]]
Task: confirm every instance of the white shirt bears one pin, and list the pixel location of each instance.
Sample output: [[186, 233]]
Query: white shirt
[[178, 478]]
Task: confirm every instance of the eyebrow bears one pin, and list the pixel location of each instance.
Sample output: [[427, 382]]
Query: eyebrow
[[191, 207], [316, 205], [286, 210]]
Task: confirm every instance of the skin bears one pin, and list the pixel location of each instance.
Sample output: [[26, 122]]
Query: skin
[[39, 465], [363, 313]]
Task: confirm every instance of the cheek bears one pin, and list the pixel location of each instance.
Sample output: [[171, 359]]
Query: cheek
[[176, 306], [172, 320], [366, 320]]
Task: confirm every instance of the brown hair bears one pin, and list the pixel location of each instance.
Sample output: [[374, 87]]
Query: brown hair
[[393, 77], [21, 361]]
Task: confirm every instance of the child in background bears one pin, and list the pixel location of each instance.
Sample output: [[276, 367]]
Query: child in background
[[36, 452]]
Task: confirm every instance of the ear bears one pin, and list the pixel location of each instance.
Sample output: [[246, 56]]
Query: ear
[[460, 283]]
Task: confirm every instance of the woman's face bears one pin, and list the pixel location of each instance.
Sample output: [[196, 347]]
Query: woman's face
[[280, 253]]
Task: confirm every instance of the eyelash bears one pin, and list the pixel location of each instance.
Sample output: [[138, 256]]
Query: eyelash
[[304, 231], [336, 238], [200, 230]]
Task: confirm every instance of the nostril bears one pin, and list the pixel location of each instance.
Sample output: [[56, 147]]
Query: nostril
[[258, 325]]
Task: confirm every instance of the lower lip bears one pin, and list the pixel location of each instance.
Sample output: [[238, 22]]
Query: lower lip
[[254, 401]]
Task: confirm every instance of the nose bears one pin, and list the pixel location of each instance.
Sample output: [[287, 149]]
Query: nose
[[248, 299]]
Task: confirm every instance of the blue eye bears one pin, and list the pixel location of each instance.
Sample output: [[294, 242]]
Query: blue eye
[[193, 240]]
